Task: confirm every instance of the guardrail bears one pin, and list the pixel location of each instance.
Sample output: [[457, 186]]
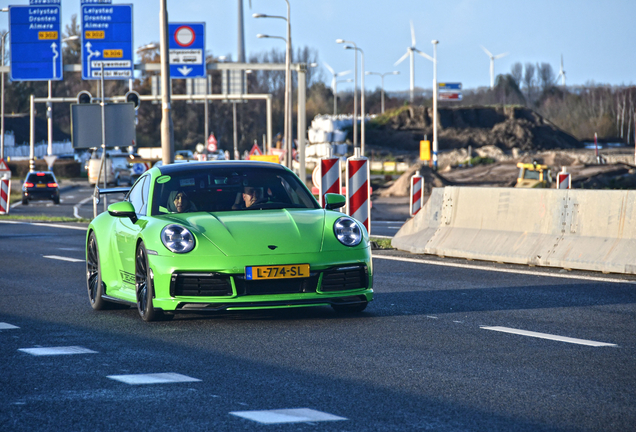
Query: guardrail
[[572, 229]]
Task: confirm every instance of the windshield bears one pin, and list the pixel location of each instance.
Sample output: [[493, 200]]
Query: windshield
[[229, 189]]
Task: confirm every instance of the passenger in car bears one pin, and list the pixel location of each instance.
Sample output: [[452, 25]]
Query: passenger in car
[[250, 196], [179, 202]]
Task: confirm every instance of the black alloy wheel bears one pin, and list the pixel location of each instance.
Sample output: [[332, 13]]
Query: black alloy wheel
[[143, 286], [94, 281]]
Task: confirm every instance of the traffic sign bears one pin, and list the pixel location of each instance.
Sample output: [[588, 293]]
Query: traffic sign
[[4, 169], [36, 43], [256, 150], [107, 37], [187, 50], [450, 86], [212, 143], [451, 96]]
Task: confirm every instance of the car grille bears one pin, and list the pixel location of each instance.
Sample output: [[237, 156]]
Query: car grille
[[200, 285], [344, 278], [275, 286]]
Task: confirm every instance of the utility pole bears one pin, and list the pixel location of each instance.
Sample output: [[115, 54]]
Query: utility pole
[[167, 128]]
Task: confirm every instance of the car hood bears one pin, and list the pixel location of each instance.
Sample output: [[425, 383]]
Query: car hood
[[260, 232]]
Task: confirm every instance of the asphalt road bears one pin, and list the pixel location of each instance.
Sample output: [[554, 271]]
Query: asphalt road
[[419, 358]]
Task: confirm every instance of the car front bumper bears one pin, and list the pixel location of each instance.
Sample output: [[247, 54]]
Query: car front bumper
[[343, 277]]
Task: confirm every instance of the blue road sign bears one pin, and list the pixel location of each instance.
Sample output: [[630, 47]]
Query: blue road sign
[[107, 37], [36, 43], [187, 50], [450, 86]]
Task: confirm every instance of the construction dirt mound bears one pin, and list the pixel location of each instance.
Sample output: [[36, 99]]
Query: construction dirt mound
[[402, 185], [507, 128]]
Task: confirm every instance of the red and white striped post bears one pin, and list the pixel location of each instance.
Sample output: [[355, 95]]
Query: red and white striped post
[[330, 179], [564, 179], [417, 186], [358, 192], [5, 190]]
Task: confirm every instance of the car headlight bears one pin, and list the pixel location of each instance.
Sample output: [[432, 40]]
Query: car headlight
[[347, 231], [177, 239]]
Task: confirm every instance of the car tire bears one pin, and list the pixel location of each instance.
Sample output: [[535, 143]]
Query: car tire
[[56, 200], [145, 288], [25, 201], [350, 308], [94, 282], [117, 182]]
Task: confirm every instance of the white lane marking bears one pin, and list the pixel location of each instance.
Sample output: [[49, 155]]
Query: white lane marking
[[55, 257], [501, 270], [157, 378], [548, 336], [7, 326], [388, 222], [57, 351], [72, 249], [295, 415], [44, 225], [69, 196], [381, 236], [15, 204], [77, 206]]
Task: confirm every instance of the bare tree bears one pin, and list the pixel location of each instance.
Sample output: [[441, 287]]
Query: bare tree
[[529, 81], [545, 75], [516, 71]]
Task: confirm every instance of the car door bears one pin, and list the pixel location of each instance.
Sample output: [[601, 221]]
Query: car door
[[126, 233]]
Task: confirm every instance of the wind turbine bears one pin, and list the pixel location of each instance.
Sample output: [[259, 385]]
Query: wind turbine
[[333, 86], [561, 73], [492, 64], [409, 52]]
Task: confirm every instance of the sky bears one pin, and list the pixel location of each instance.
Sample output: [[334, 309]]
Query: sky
[[597, 39]]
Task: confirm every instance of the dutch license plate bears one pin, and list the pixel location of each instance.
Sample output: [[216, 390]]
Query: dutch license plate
[[40, 185], [277, 272]]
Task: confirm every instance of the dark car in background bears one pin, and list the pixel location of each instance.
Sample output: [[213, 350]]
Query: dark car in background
[[40, 185]]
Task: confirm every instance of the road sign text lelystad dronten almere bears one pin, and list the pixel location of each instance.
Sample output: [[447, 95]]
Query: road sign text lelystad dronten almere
[[107, 38], [36, 51]]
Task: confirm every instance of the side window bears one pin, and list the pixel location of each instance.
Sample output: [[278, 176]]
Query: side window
[[135, 196], [144, 195]]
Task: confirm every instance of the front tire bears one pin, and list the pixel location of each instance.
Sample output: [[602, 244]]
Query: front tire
[[94, 281], [143, 286]]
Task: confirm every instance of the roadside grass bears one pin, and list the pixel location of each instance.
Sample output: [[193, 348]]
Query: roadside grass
[[382, 243], [42, 218]]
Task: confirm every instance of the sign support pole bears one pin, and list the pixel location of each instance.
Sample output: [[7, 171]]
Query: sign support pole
[[167, 128], [49, 122], [32, 135]]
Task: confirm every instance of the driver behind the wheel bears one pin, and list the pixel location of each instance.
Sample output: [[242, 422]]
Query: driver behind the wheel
[[248, 197]]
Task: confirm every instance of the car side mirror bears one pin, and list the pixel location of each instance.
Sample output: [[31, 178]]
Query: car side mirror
[[334, 201], [123, 209]]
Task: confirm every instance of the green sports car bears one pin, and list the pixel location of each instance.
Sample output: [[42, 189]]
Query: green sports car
[[226, 235]]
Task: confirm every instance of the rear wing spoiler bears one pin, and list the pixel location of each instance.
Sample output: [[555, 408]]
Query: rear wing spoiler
[[105, 191]]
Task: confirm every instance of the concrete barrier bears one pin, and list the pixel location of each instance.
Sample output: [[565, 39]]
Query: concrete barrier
[[575, 229]]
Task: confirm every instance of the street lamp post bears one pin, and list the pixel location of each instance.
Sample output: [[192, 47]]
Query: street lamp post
[[363, 113], [335, 93], [434, 42], [288, 102], [4, 36], [382, 75], [355, 93]]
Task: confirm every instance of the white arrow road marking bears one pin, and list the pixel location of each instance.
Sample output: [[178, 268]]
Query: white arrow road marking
[[55, 257], [549, 336], [185, 70], [78, 205], [55, 56]]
